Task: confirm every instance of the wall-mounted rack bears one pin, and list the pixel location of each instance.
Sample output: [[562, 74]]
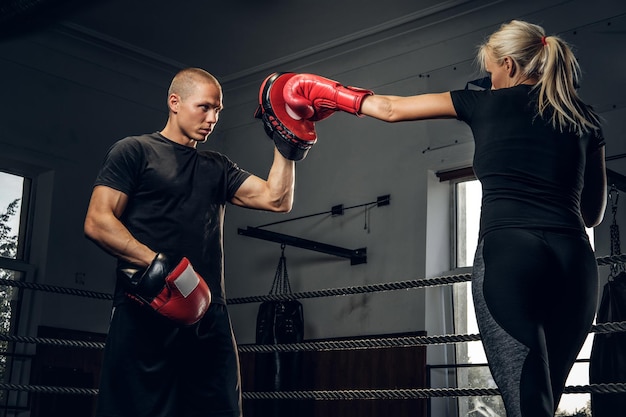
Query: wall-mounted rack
[[356, 256]]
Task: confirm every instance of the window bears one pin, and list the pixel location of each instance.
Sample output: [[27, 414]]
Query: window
[[472, 370], [467, 211], [14, 193]]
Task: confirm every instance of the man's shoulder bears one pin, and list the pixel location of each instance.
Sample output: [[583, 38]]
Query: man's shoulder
[[137, 143], [212, 154], [140, 139]]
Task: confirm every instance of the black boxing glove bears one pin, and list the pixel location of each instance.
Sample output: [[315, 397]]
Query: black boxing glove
[[169, 287]]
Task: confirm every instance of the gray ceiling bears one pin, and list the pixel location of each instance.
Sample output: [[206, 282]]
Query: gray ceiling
[[230, 37]]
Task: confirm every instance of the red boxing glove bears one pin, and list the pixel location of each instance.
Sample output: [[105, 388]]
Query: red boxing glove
[[292, 135], [315, 98], [173, 290]]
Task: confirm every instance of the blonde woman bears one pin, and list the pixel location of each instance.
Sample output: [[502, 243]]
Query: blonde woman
[[539, 156]]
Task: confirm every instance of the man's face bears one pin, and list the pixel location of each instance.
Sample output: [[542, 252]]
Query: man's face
[[197, 114]]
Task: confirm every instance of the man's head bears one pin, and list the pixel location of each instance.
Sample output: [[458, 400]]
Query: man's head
[[194, 101]]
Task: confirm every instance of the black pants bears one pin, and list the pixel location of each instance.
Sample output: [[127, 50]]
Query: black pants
[[155, 368], [535, 295]]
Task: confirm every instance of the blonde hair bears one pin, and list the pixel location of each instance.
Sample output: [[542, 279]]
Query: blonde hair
[[551, 61], [185, 80]]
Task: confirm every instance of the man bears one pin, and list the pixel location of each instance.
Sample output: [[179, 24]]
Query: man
[[158, 207]]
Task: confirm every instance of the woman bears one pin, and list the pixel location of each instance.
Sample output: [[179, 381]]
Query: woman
[[539, 156]]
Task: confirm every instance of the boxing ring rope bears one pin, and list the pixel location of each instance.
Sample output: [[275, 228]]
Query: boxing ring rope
[[362, 394], [404, 341], [388, 286], [415, 393], [378, 343], [360, 289]]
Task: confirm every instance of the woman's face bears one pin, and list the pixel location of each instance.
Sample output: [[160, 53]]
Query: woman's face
[[498, 71]]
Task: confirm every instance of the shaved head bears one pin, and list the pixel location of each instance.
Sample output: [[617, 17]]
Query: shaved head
[[185, 81]]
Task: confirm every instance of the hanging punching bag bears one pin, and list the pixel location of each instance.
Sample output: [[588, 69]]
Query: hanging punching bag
[[279, 322], [608, 353]]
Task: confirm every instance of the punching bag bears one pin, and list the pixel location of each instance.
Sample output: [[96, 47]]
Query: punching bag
[[279, 322], [608, 352]]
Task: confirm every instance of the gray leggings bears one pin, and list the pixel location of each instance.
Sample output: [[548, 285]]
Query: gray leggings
[[535, 295]]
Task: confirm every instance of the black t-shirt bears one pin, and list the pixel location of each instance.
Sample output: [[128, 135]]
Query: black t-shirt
[[531, 173], [176, 200]]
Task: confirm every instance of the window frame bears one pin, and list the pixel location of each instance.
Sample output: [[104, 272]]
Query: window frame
[[454, 177], [17, 355], [23, 241]]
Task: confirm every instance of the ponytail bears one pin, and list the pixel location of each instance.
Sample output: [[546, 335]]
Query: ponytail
[[557, 90], [550, 61]]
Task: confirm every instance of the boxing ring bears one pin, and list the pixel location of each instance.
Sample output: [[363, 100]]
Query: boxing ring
[[348, 344]]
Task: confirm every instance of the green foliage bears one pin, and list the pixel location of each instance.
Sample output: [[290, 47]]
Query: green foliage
[[8, 249], [583, 412], [8, 241], [488, 406]]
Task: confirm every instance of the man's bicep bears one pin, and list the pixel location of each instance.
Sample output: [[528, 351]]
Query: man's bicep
[[107, 200], [250, 192]]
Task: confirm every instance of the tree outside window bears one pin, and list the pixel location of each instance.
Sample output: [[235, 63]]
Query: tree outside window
[[8, 249], [14, 191]]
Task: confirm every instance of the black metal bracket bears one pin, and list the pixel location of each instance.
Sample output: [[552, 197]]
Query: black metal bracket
[[356, 256]]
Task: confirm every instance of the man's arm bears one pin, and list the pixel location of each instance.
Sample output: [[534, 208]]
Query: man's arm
[[102, 225], [273, 194]]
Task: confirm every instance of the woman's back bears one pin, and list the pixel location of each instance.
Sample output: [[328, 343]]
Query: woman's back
[[532, 174]]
